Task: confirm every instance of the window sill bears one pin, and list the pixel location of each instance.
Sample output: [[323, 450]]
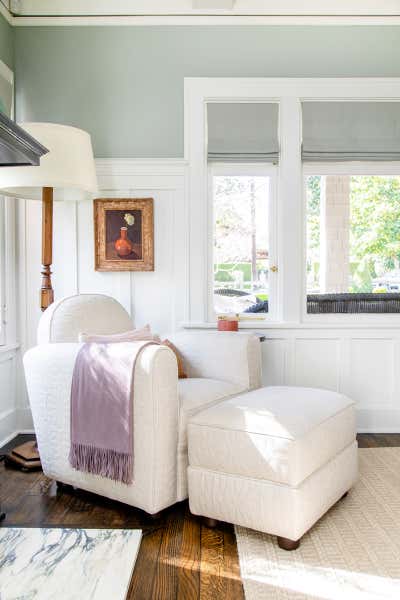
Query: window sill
[[327, 324]]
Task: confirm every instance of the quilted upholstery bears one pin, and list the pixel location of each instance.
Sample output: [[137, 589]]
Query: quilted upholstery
[[49, 370], [265, 506], [65, 319], [277, 433], [274, 459]]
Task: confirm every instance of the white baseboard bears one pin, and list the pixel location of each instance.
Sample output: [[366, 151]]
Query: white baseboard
[[378, 420], [14, 434], [8, 426], [7, 439], [14, 422]]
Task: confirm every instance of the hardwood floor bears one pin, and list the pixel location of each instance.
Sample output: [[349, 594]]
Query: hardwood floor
[[179, 557]]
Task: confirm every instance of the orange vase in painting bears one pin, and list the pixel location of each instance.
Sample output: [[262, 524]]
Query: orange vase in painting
[[123, 245]]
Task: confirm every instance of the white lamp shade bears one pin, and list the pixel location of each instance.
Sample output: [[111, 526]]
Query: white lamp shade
[[68, 167]]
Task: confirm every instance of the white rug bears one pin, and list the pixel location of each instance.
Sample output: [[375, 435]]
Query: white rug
[[72, 564], [353, 553]]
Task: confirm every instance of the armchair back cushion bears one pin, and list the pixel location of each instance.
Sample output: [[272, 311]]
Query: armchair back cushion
[[92, 314], [225, 355]]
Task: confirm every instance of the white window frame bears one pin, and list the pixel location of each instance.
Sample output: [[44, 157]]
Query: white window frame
[[344, 168], [246, 169], [289, 93]]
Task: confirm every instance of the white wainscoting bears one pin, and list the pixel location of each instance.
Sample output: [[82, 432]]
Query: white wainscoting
[[362, 362], [158, 297]]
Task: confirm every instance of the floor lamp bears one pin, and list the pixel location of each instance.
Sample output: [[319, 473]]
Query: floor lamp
[[67, 172]]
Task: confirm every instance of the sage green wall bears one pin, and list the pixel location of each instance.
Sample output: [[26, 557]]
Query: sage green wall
[[6, 42], [125, 84]]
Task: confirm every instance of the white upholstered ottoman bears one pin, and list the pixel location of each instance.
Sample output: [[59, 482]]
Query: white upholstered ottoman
[[274, 459]]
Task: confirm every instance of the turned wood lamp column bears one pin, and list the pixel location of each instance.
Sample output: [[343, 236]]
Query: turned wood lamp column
[[47, 292]]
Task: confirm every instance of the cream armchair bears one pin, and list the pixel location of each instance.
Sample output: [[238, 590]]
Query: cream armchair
[[219, 365]]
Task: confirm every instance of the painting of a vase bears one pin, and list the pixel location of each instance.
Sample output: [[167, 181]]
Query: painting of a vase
[[123, 245], [124, 234]]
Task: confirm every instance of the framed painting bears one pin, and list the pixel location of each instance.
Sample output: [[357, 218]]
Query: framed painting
[[124, 234]]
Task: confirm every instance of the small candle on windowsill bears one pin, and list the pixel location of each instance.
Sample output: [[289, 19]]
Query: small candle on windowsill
[[228, 322]]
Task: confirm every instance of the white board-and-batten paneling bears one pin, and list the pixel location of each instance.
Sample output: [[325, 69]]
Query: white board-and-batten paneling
[[364, 364]]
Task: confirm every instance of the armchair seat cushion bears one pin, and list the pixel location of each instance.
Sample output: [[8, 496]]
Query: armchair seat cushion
[[196, 394]]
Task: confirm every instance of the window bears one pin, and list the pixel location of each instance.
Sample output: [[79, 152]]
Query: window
[[353, 243], [243, 244], [321, 134]]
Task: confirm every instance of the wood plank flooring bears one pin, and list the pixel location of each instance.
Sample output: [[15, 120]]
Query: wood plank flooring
[[179, 557]]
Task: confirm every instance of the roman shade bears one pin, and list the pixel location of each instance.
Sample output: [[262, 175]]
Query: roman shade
[[345, 130], [243, 132]]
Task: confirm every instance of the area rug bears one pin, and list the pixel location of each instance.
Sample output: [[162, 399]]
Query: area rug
[[352, 553], [44, 564]]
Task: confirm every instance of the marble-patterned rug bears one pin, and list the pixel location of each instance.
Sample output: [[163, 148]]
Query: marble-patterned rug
[[43, 564]]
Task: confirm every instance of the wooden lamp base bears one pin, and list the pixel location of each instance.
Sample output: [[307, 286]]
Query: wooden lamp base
[[25, 457]]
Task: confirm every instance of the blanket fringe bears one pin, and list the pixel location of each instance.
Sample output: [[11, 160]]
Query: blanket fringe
[[117, 466]]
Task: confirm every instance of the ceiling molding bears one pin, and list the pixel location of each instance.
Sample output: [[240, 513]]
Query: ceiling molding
[[202, 20], [200, 12], [131, 8]]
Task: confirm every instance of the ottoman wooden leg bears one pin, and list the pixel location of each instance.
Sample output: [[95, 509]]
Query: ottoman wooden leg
[[212, 523], [287, 544]]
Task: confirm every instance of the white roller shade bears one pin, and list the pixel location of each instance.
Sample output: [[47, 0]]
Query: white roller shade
[[343, 131], [243, 132]]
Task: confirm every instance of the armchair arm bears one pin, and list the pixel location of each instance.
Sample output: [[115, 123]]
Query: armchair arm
[[225, 355], [49, 369]]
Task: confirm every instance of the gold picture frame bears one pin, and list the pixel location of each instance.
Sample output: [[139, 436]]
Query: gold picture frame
[[124, 234]]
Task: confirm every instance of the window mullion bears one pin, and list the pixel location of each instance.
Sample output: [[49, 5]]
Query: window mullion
[[290, 219]]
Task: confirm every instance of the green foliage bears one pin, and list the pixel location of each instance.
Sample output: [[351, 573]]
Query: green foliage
[[224, 271], [375, 221], [374, 228], [223, 276], [361, 277]]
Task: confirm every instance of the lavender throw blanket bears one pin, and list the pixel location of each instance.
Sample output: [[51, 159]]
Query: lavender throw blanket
[[102, 409]]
